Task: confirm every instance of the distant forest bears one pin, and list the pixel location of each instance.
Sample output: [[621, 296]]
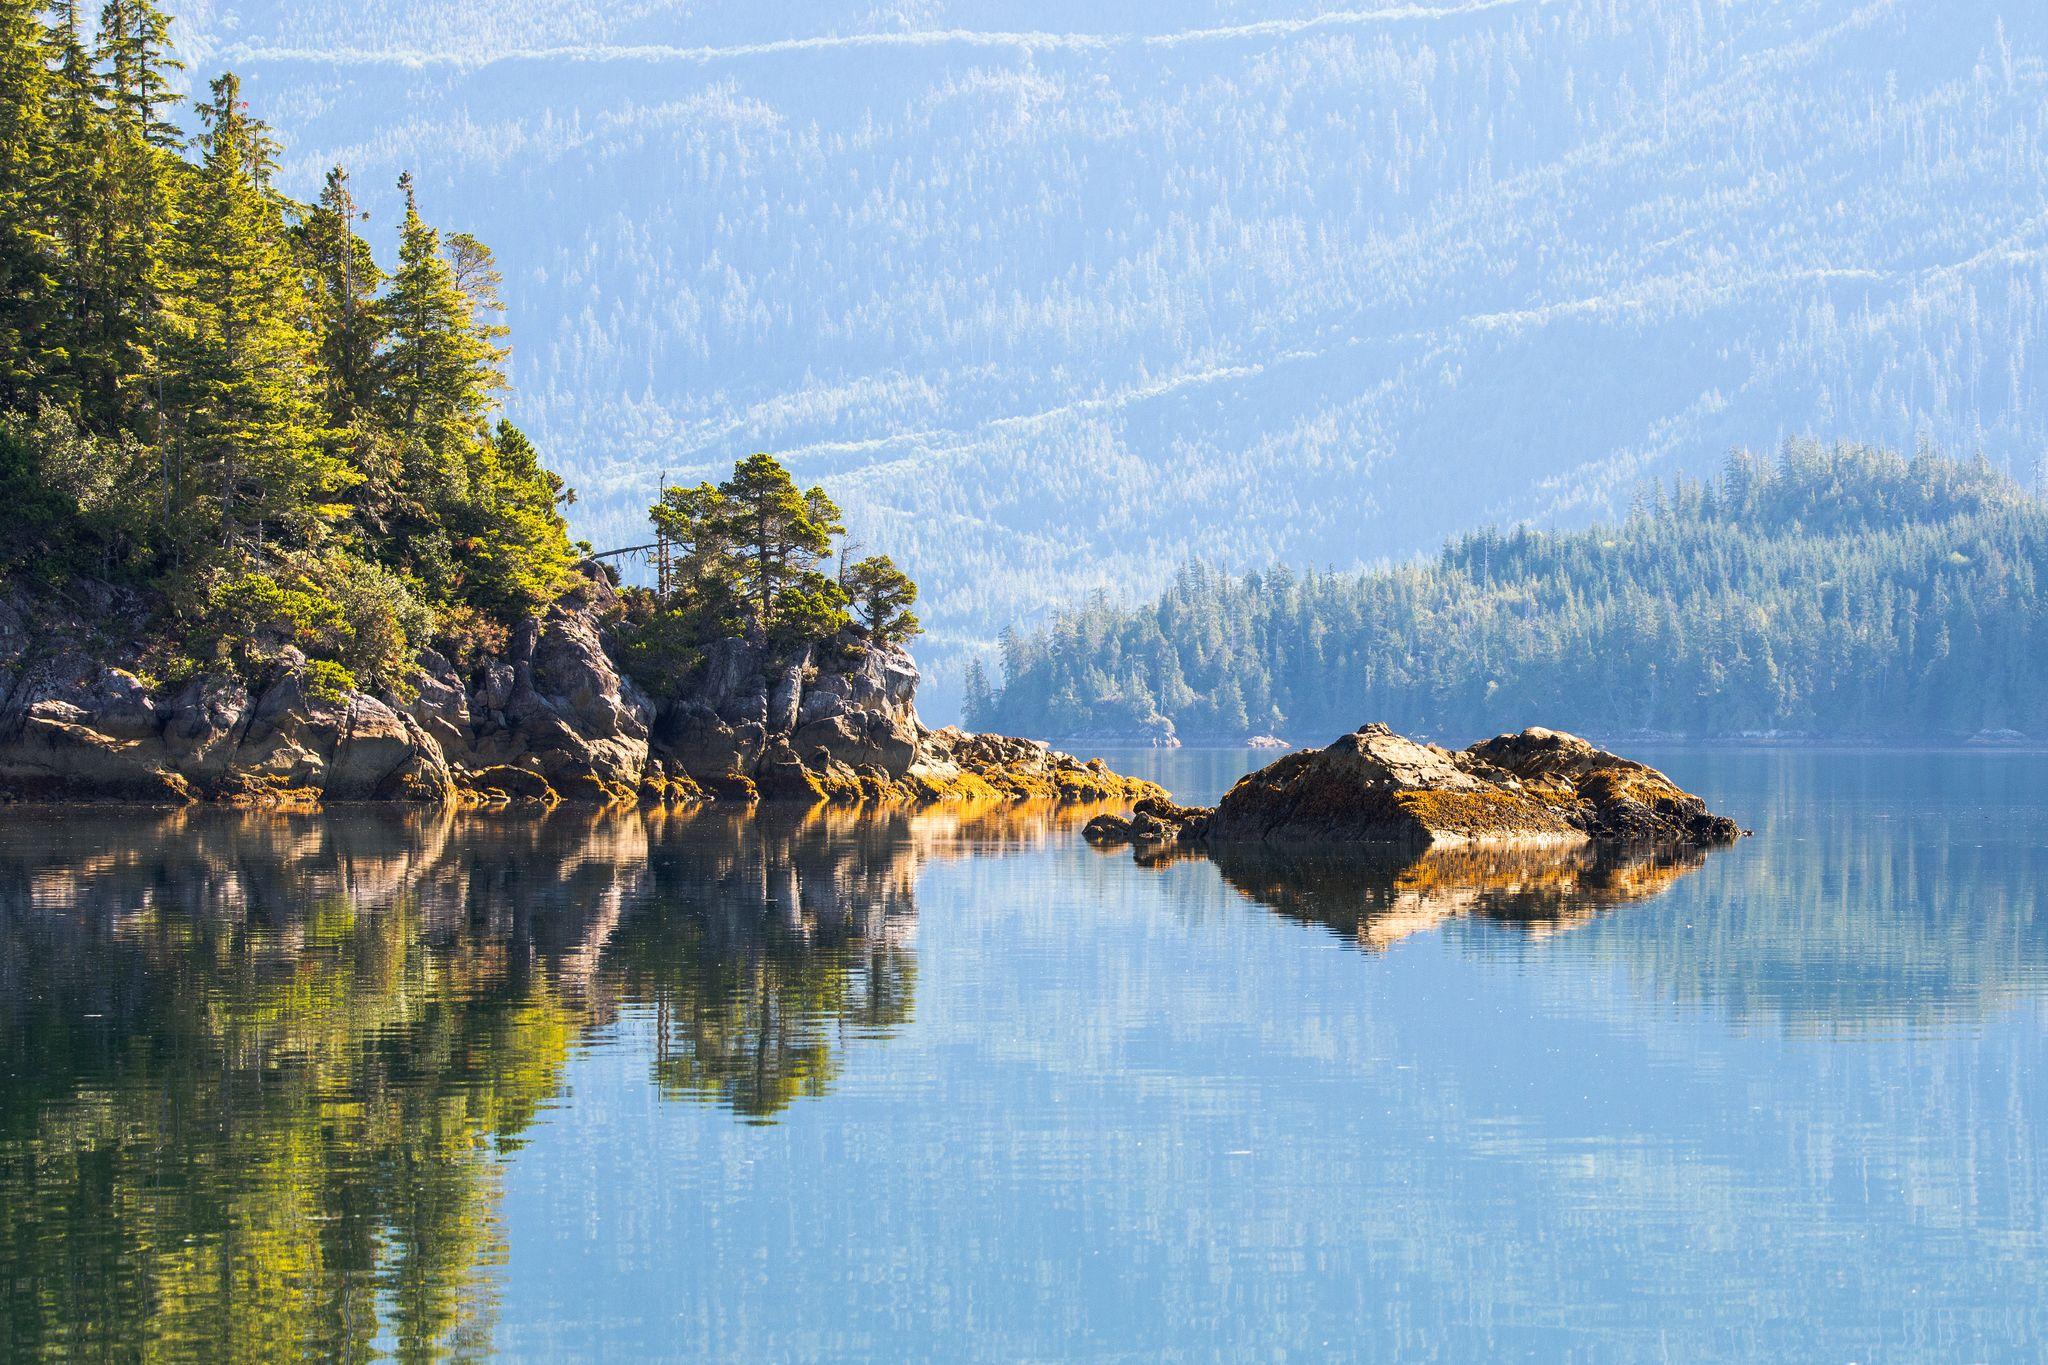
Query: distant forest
[[1248, 281], [1841, 592]]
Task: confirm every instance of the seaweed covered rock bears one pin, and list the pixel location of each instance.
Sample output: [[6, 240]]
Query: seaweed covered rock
[[954, 764], [1374, 786], [1152, 823], [1608, 798]]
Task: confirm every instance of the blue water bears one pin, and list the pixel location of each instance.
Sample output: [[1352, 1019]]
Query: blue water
[[926, 1088]]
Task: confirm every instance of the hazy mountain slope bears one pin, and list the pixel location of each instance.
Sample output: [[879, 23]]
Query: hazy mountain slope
[[1054, 310]]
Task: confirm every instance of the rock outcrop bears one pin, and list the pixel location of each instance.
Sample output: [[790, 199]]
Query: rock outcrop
[[550, 718], [1540, 788], [840, 724]]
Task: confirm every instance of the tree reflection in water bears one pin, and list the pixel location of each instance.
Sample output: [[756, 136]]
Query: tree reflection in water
[[259, 1070]]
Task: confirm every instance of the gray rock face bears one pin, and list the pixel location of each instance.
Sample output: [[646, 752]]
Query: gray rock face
[[78, 722], [567, 713], [781, 722]]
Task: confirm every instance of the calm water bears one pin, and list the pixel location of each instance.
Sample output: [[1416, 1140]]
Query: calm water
[[915, 1086]]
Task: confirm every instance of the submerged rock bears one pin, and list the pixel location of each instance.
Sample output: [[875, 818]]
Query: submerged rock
[[1375, 788]]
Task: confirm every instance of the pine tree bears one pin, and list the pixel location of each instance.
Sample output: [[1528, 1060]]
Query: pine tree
[[77, 186], [442, 370], [780, 535], [241, 367], [140, 148], [29, 250], [135, 50], [518, 556], [345, 280], [881, 595], [978, 703]]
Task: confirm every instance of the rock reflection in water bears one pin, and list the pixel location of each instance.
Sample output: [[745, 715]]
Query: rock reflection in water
[[1376, 899], [256, 1070]]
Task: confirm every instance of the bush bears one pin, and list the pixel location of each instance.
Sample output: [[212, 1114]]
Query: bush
[[328, 682]]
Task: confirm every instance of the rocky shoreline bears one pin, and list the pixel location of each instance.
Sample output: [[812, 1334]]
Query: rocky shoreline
[[1374, 788], [551, 718]]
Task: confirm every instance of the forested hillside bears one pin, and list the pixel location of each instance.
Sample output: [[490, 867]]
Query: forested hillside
[[1057, 296], [216, 398], [1840, 592]]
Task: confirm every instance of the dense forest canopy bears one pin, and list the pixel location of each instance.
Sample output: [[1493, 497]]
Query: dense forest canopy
[[219, 396], [1840, 591]]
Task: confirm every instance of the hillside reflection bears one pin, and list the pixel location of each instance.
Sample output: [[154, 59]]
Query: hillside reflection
[[256, 1071]]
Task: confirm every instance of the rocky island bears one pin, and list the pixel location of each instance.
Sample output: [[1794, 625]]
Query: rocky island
[[1375, 789]]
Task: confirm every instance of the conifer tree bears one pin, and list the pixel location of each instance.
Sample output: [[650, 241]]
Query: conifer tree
[[519, 557], [77, 188], [442, 367], [135, 51], [241, 364], [978, 703], [139, 147], [29, 258], [881, 595], [781, 535], [345, 280]]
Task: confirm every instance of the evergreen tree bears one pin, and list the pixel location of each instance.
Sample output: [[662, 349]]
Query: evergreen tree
[[441, 370], [745, 557], [135, 50], [135, 191], [978, 703], [780, 535], [347, 319], [30, 347], [516, 556], [80, 153], [241, 363], [881, 595]]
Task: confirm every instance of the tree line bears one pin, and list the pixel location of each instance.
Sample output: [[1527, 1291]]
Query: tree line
[[219, 396], [1839, 591]]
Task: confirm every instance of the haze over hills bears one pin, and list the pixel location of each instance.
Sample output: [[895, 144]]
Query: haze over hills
[[1054, 310]]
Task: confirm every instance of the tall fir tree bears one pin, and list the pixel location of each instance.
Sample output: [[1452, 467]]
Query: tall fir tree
[[30, 348], [442, 369], [344, 278], [86, 375], [140, 146], [241, 358]]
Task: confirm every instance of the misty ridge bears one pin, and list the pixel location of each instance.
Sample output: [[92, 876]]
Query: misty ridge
[[1057, 311]]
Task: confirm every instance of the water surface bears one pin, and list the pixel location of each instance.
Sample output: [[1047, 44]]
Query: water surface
[[946, 1086]]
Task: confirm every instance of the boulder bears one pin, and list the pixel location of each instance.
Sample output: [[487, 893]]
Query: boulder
[[1374, 788], [374, 746], [784, 701], [441, 704], [1609, 798]]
